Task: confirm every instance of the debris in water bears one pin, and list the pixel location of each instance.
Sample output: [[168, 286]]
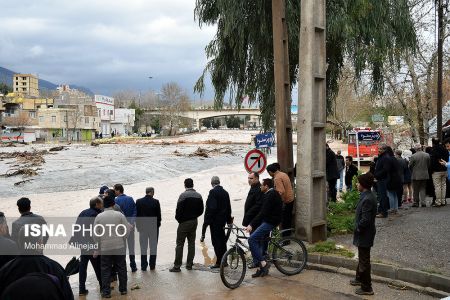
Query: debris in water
[[59, 148]]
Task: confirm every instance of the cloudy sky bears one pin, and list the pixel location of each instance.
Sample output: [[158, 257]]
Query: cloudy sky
[[105, 45]]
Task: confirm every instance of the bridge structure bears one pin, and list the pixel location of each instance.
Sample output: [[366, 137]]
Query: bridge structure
[[200, 114]]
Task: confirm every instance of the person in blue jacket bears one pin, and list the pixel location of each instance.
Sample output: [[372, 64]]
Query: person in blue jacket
[[128, 207]]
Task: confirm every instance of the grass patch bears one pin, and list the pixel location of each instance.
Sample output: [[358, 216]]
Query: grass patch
[[329, 247], [432, 271]]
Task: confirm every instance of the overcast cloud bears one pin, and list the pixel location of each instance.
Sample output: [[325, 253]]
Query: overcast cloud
[[105, 45]]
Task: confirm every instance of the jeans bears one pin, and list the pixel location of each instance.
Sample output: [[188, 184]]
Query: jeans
[[120, 264], [286, 221], [383, 199], [393, 200], [186, 230], [257, 241], [130, 243], [363, 269], [341, 180], [148, 240], [82, 275]]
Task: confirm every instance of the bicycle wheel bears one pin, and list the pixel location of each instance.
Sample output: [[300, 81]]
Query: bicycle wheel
[[233, 267], [289, 256]]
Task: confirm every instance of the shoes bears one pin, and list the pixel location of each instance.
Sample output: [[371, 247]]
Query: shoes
[[216, 266], [423, 205], [83, 292], [257, 274], [355, 282], [144, 269], [252, 265], [435, 205], [380, 216], [123, 292], [265, 270], [175, 269], [360, 291], [202, 239], [415, 205], [189, 268], [133, 269], [106, 295], [152, 268]]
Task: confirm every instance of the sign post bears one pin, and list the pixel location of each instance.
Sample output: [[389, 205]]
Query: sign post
[[255, 161]]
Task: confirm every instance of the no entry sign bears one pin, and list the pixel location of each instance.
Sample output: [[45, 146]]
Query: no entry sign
[[255, 161]]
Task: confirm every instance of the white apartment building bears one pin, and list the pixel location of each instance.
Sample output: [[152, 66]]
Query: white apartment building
[[105, 110], [123, 121]]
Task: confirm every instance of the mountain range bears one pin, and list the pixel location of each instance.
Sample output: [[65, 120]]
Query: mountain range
[[6, 77]]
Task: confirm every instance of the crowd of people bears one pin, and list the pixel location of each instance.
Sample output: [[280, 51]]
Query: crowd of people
[[269, 204]]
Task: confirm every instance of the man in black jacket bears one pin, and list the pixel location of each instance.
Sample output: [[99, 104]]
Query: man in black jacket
[[217, 214], [438, 171], [189, 208], [86, 243], [382, 171], [350, 171], [269, 217], [148, 222], [253, 201], [332, 173], [364, 233]]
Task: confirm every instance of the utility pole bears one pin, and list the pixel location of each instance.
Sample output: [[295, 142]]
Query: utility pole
[[310, 212], [439, 83], [282, 88]]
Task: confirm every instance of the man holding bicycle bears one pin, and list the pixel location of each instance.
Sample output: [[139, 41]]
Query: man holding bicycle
[[269, 217]]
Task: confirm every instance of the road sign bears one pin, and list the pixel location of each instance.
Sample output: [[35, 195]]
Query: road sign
[[369, 136], [264, 140], [255, 161], [377, 118]]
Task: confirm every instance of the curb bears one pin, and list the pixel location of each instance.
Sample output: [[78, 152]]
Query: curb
[[431, 284]]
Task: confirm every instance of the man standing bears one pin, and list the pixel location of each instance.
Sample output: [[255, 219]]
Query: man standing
[[148, 222], [8, 248], [364, 233], [438, 171], [26, 217], [253, 201], [269, 217], [332, 173], [112, 245], [86, 220], [403, 164], [350, 171], [128, 207], [217, 215], [189, 208], [341, 166], [283, 185], [381, 173], [419, 164]]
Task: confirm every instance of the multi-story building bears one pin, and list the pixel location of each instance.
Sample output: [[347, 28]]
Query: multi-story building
[[105, 110], [123, 121], [26, 84]]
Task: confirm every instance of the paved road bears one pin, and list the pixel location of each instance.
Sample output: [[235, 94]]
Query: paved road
[[204, 284], [417, 238]]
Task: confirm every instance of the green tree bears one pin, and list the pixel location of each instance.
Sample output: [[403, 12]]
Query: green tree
[[139, 114], [207, 122], [5, 89], [367, 33]]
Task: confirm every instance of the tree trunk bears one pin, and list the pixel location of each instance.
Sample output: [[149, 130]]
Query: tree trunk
[[418, 100]]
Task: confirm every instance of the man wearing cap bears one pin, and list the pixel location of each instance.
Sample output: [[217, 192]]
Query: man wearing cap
[[112, 245], [217, 214], [282, 184], [364, 233]]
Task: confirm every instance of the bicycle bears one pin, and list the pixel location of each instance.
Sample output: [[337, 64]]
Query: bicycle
[[288, 254]]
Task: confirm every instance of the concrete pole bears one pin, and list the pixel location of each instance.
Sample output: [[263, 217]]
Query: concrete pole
[[310, 215], [282, 88]]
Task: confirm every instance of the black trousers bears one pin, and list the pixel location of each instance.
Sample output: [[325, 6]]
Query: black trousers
[[120, 264], [82, 274], [400, 196], [286, 221], [219, 241], [363, 269], [332, 192]]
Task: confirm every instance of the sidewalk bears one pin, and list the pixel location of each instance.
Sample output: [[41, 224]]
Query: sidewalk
[[201, 283], [417, 238]]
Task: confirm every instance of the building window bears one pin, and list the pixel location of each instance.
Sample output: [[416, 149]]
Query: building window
[[104, 112], [24, 78], [110, 112], [65, 119], [17, 83], [17, 89], [32, 114], [24, 89], [53, 119], [24, 83], [86, 120], [17, 78], [41, 119]]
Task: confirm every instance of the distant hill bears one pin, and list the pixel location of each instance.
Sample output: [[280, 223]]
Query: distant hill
[[6, 76]]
